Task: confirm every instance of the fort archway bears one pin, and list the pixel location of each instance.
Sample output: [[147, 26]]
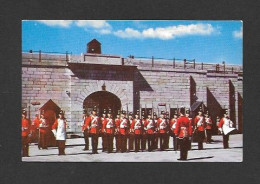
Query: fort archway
[[102, 100]]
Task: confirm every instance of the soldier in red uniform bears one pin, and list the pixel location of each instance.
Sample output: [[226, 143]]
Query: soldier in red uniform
[[208, 122], [103, 133], [149, 128], [162, 129], [131, 134], [59, 131], [35, 128], [225, 127], [144, 136], [156, 135], [109, 129], [43, 132], [117, 132], [123, 129], [187, 114], [167, 136], [172, 128], [25, 134], [199, 123], [85, 130], [183, 131], [93, 125], [136, 128]]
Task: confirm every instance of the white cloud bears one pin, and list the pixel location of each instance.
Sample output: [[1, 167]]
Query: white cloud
[[103, 26], [61, 23], [166, 33], [128, 33], [93, 23], [104, 31], [238, 34]]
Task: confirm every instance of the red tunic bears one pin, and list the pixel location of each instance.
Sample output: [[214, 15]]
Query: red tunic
[[109, 125], [43, 125], [35, 124], [25, 127], [173, 124], [117, 124], [149, 125], [102, 123], [123, 126], [92, 123], [199, 121], [221, 122], [161, 125], [136, 125], [208, 123], [183, 127], [83, 128]]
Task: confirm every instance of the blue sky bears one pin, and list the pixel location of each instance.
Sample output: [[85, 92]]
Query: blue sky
[[204, 41]]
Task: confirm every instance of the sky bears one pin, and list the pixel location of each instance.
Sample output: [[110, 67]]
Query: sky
[[204, 41]]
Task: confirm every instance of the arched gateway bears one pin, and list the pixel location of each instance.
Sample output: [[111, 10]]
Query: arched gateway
[[102, 100]]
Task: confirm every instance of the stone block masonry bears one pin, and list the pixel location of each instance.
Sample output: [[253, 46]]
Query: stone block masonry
[[136, 83]]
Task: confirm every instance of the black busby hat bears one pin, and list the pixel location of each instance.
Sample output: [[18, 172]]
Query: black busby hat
[[227, 112], [154, 114], [118, 112], [187, 111], [123, 112], [24, 112], [95, 108], [109, 111], [104, 111], [130, 114], [137, 112], [182, 110], [150, 112], [163, 112], [142, 112]]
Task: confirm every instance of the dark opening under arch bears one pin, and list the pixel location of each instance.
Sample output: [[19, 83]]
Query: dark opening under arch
[[102, 100]]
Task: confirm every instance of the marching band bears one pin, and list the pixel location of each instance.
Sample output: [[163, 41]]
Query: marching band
[[134, 132]]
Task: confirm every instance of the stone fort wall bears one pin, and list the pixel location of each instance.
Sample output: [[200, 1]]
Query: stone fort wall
[[145, 84]]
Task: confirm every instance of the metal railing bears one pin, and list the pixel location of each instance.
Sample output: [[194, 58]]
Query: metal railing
[[153, 62]]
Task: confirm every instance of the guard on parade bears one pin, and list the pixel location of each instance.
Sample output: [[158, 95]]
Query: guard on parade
[[149, 128], [117, 132], [85, 130], [123, 129], [187, 114], [144, 136], [131, 134], [199, 123], [43, 132], [167, 136], [59, 131], [103, 134], [173, 123], [225, 127], [162, 129], [156, 135], [35, 128], [183, 131], [137, 128], [208, 122], [25, 134], [109, 129], [93, 125]]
